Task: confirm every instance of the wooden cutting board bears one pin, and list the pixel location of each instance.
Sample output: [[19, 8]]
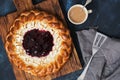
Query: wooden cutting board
[[53, 7]]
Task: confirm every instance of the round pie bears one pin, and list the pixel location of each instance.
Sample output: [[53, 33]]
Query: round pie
[[38, 43]]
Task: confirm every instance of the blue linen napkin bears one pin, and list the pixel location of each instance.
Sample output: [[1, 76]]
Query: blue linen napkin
[[6, 72], [37, 1], [6, 6], [106, 16]]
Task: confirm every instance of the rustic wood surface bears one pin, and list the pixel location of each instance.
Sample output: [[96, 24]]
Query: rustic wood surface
[[53, 7]]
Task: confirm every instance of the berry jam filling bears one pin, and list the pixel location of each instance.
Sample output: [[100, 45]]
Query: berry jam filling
[[38, 42]]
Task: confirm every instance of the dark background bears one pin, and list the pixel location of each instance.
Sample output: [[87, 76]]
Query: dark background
[[105, 18]]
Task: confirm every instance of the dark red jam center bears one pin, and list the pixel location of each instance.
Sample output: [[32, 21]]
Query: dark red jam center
[[38, 42]]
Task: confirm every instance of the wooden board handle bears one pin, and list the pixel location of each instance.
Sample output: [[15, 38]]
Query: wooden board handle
[[23, 5]]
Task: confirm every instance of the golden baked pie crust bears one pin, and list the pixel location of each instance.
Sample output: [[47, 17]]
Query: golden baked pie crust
[[47, 20]]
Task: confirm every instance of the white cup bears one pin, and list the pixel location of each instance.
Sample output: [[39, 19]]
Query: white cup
[[84, 10]]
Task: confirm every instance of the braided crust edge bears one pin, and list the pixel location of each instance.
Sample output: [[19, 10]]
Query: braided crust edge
[[50, 20]]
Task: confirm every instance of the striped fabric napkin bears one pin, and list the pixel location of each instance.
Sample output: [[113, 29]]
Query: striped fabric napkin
[[106, 63]]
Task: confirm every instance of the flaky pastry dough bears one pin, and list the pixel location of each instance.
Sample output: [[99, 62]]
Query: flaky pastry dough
[[38, 66]]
